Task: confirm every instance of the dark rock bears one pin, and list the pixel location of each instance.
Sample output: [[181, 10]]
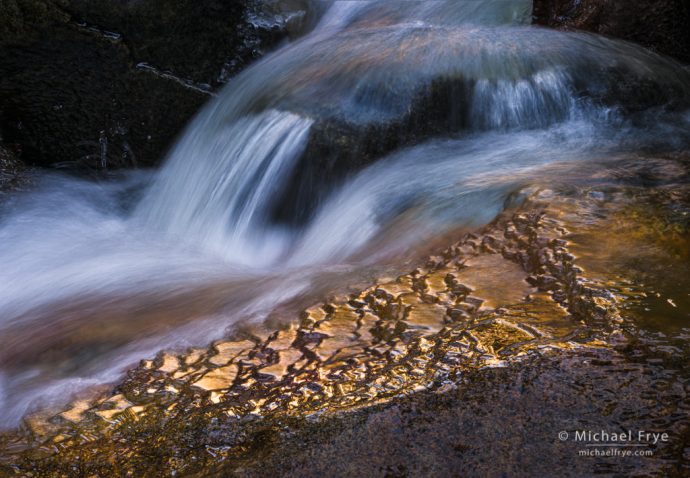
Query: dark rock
[[544, 282], [11, 168], [457, 313], [499, 422], [93, 83], [339, 147], [660, 26]]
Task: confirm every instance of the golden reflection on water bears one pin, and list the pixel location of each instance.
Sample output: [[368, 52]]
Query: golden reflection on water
[[467, 308], [568, 270]]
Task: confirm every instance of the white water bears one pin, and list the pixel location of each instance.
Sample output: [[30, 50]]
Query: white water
[[227, 186], [96, 275]]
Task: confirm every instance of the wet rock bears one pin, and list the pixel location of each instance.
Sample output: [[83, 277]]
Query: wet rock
[[560, 356], [11, 169], [544, 282], [499, 421], [661, 26], [338, 146], [93, 84], [218, 379]]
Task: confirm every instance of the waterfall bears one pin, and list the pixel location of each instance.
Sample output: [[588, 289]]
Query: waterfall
[[345, 151], [256, 152], [216, 194], [217, 186]]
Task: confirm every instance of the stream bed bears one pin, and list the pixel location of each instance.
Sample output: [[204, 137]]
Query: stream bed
[[434, 199]]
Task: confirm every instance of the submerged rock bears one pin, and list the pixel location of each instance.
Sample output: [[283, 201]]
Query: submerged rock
[[377, 93], [452, 339], [525, 329]]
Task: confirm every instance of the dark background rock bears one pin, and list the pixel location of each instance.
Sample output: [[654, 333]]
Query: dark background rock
[[116, 80], [83, 81], [661, 25], [11, 169]]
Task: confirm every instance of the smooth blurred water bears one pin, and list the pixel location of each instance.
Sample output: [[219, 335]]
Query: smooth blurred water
[[96, 275]]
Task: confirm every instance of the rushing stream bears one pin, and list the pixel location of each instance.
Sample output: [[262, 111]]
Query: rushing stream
[[341, 154]]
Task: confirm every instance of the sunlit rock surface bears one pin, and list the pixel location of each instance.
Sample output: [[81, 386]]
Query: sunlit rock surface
[[554, 317]]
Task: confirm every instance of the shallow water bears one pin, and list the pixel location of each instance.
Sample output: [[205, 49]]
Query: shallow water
[[97, 275]]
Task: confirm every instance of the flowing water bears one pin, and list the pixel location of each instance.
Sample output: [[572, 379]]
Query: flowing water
[[336, 157]]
